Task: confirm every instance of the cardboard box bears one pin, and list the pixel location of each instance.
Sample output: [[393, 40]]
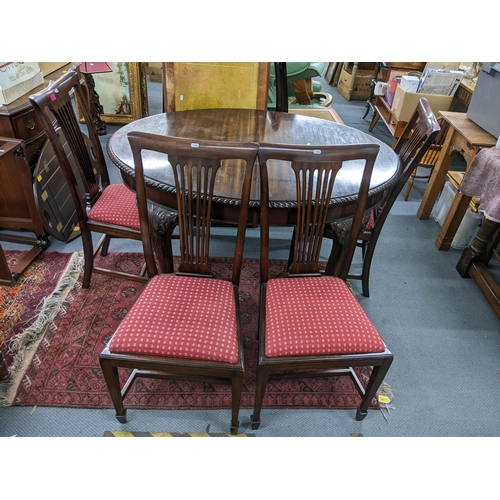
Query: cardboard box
[[154, 71], [360, 86], [405, 103], [392, 84], [17, 79], [409, 83], [49, 67]]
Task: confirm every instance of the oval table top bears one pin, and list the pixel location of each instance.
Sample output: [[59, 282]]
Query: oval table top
[[242, 125]]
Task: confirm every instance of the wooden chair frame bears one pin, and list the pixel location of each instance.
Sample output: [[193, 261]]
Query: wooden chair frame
[[88, 179], [315, 170], [431, 157], [420, 133], [195, 166]]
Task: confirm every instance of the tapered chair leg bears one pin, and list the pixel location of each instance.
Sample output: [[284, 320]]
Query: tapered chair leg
[[411, 180], [262, 376], [105, 246], [237, 388], [88, 258], [110, 374], [378, 374]]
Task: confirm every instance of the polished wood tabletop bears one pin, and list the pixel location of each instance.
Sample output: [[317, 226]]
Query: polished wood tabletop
[[244, 125]]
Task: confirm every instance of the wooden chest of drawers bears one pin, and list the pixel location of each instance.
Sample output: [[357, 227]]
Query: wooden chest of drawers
[[22, 139]]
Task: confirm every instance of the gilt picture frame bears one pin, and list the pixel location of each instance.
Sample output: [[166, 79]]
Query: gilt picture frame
[[122, 92]]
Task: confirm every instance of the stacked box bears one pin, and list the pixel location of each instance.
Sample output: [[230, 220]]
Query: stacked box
[[362, 82]]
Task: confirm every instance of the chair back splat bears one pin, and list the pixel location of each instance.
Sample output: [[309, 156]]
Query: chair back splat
[[315, 172], [101, 207], [431, 157], [418, 136], [310, 323], [185, 325]]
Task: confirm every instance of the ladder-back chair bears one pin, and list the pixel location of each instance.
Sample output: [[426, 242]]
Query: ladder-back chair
[[417, 138], [430, 158]]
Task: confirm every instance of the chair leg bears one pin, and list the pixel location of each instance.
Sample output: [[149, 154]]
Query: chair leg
[[110, 374], [262, 376], [411, 180], [237, 388], [377, 377], [374, 121], [105, 246], [88, 258], [367, 110], [365, 273]]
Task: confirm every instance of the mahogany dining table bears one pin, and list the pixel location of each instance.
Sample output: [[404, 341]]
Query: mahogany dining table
[[245, 125]]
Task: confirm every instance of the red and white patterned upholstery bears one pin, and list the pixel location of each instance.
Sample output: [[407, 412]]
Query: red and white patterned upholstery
[[315, 316], [371, 221], [116, 205], [181, 317]]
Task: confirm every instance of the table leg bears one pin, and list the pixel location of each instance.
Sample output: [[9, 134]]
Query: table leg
[[162, 223], [438, 178]]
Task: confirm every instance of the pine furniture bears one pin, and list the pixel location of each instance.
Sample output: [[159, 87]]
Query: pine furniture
[[466, 138]]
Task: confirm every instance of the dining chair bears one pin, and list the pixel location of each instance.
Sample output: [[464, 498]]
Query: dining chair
[[185, 325], [418, 136], [101, 207], [430, 158], [310, 323]]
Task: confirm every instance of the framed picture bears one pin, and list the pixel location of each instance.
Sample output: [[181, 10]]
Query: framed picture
[[122, 92]]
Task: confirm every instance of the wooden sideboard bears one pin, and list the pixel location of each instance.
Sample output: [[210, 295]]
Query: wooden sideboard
[[22, 139]]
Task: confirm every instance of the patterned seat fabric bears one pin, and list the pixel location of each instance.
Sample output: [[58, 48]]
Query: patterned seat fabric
[[315, 316], [181, 317], [116, 205]]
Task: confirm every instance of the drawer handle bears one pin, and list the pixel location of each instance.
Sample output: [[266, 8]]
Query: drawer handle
[[30, 124]]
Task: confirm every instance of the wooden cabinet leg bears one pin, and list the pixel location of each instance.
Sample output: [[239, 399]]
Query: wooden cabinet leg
[[4, 370], [480, 249]]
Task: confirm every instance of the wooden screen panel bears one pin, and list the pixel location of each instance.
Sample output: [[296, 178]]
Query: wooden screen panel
[[208, 85]]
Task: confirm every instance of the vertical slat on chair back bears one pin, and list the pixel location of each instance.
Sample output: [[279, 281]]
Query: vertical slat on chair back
[[431, 157], [417, 138], [195, 165], [55, 101], [316, 168]]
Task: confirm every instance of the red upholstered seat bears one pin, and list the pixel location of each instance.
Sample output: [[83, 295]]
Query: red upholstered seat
[[314, 316], [181, 317], [116, 205]]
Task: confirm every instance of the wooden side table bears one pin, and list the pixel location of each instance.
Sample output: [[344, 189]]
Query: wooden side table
[[381, 109], [467, 139], [382, 72]]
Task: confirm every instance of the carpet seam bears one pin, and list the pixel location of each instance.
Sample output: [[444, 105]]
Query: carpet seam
[[23, 345]]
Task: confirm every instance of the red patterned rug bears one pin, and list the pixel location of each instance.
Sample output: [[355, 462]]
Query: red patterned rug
[[65, 369]]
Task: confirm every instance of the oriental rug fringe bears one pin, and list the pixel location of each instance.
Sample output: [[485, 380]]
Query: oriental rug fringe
[[57, 357]]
